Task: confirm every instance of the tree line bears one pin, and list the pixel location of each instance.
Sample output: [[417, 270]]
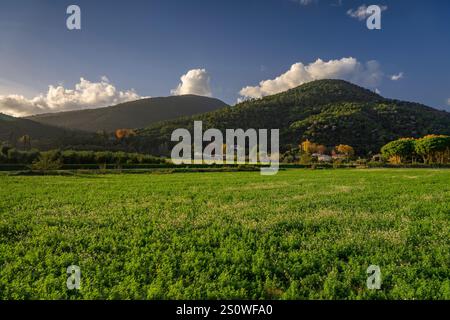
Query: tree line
[[431, 149], [309, 152], [9, 155]]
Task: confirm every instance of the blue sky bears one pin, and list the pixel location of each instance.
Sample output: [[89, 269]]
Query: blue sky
[[149, 45]]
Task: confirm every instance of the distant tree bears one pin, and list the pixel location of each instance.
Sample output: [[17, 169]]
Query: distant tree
[[124, 133], [4, 148], [70, 157], [119, 157], [50, 160], [102, 134], [21, 157], [345, 150], [434, 149], [399, 151], [306, 158], [308, 147], [25, 140], [86, 157], [103, 157], [321, 149]]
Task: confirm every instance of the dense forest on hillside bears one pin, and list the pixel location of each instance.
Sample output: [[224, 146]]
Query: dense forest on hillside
[[328, 112]]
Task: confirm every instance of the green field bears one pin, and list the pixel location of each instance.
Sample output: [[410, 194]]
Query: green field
[[302, 234]]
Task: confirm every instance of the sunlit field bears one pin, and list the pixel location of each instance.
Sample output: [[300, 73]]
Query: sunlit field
[[302, 234]]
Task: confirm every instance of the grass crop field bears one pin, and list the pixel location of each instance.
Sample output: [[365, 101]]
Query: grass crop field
[[302, 234]]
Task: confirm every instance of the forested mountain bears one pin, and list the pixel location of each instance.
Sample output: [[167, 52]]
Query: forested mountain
[[328, 112], [134, 114]]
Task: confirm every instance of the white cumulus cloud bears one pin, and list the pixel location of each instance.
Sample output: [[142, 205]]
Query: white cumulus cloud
[[195, 81], [85, 95], [361, 13], [368, 74], [396, 77]]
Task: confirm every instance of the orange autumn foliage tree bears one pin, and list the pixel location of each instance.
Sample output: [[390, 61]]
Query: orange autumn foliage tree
[[124, 133]]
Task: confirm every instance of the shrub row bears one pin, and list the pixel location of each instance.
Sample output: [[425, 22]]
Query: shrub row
[[14, 156]]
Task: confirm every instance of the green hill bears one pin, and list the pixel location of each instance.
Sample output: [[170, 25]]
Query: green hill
[[11, 128], [135, 114], [42, 136], [328, 112]]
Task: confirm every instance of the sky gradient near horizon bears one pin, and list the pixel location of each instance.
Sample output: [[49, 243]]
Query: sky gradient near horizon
[[222, 49]]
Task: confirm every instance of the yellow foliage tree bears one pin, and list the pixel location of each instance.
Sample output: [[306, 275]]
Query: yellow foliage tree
[[308, 147], [346, 150]]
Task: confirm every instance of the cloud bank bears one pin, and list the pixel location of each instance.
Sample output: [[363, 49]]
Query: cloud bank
[[85, 95], [350, 69], [195, 81]]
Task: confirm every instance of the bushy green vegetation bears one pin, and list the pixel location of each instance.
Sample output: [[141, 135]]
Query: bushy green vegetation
[[14, 156], [432, 149], [302, 234], [50, 160], [400, 150], [107, 157], [10, 155]]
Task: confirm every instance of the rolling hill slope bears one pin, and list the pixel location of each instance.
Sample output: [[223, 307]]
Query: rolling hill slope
[[42, 136], [11, 128], [329, 112], [135, 114]]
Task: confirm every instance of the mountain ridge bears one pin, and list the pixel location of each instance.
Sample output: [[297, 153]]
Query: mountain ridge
[[133, 114], [41, 135]]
